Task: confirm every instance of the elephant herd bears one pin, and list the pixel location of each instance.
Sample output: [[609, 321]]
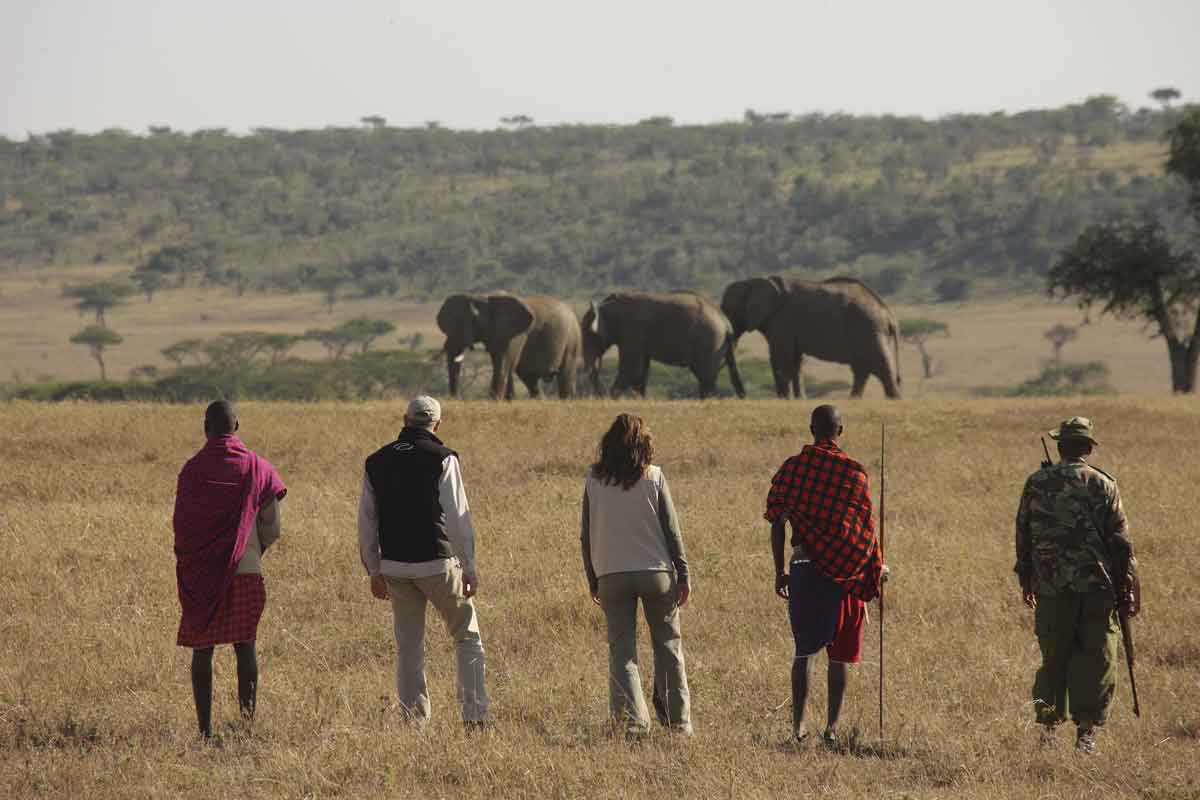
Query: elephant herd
[[538, 338]]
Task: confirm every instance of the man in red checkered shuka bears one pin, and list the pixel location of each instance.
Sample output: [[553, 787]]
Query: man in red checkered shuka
[[835, 566]]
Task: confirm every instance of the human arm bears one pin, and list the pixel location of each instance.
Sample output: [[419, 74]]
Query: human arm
[[269, 524], [1024, 550], [459, 528], [778, 536], [668, 520], [368, 539], [1120, 548], [585, 544]]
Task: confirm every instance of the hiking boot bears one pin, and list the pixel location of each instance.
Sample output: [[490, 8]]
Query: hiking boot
[[1049, 738], [1085, 741]]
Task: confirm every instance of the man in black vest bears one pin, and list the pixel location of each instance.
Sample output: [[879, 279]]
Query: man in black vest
[[418, 545]]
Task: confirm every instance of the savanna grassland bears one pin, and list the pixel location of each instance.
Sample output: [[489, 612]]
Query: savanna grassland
[[95, 698]]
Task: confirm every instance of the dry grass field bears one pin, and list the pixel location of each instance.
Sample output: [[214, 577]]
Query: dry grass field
[[992, 342], [95, 698]]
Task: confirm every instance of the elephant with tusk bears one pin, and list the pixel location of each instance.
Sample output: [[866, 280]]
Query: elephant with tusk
[[536, 337], [682, 329], [839, 320]]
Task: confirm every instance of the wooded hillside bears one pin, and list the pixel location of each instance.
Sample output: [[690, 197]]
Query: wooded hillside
[[920, 209]]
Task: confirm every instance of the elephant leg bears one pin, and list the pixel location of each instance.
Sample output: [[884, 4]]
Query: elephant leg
[[798, 389], [501, 374], [644, 376], [508, 387], [566, 382], [625, 379], [891, 382], [533, 384], [782, 355], [860, 380]]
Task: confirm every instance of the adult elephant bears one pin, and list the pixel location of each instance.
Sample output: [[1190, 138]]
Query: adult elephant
[[838, 320], [682, 329], [535, 337]]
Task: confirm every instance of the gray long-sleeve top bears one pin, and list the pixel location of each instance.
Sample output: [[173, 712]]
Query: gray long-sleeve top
[[630, 530]]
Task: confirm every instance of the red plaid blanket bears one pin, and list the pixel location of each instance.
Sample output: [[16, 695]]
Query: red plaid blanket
[[825, 495]]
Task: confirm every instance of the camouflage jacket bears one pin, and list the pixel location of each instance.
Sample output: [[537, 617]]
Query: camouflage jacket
[[1071, 531]]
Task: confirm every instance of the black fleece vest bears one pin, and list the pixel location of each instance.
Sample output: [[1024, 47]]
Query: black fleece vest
[[404, 476]]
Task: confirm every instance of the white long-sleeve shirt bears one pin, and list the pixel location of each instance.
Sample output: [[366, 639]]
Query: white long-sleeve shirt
[[459, 530]]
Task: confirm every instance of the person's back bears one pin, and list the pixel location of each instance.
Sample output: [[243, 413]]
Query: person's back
[[633, 551], [417, 543], [1068, 506], [626, 525], [835, 565], [1077, 572], [226, 514]]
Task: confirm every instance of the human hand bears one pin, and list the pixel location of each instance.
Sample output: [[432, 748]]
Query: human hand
[[379, 587], [595, 598], [470, 585], [1132, 604], [684, 591], [1030, 598], [781, 585]]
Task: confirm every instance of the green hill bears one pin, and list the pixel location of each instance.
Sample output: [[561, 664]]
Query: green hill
[[916, 207]]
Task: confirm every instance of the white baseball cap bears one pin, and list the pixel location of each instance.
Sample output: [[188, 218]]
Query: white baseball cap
[[424, 410]]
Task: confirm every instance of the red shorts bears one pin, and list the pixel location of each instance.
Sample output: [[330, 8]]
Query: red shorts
[[236, 619]]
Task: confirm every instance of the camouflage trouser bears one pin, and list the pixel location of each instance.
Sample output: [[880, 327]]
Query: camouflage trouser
[[1077, 633]]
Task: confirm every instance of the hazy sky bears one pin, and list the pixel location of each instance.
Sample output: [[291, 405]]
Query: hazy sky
[[90, 65]]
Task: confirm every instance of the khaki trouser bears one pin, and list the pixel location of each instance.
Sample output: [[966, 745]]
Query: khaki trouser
[[445, 592], [619, 594], [1077, 633]]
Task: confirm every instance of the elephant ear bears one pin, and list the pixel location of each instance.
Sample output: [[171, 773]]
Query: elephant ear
[[763, 298], [450, 314], [505, 317]]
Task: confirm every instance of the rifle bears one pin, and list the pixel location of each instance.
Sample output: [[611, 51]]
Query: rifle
[[1120, 590], [882, 530]]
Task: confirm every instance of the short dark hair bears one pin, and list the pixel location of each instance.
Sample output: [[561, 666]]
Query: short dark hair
[[826, 422], [1074, 448], [220, 418]]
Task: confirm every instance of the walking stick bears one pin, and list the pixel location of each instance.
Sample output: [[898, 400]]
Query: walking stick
[[882, 531]]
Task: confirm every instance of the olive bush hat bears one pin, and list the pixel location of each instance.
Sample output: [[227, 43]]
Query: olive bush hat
[[1075, 428]]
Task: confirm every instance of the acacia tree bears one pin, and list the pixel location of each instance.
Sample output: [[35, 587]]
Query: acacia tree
[[98, 338], [1058, 336], [98, 297], [1165, 95], [1183, 154], [149, 282], [364, 331], [1132, 270], [918, 332]]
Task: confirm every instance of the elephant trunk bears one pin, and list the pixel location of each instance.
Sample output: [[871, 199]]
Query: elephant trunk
[[453, 370], [593, 370]]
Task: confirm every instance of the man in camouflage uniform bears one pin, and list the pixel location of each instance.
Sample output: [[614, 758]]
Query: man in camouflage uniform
[[1072, 545]]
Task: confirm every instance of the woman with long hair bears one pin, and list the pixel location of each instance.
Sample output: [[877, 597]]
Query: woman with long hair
[[633, 550]]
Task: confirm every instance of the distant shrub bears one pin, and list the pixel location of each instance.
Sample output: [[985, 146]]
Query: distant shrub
[[889, 280], [952, 289], [1057, 379]]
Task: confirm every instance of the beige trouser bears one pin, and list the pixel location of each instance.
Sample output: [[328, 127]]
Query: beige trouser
[[619, 594], [445, 592]]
